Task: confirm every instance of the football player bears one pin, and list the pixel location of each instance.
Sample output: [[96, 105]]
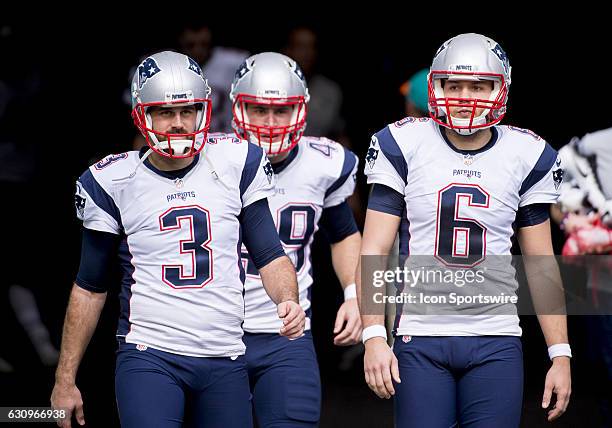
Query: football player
[[314, 180], [174, 216], [584, 212], [457, 182]]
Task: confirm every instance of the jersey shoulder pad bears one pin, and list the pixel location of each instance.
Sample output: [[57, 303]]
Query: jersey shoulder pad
[[396, 142], [220, 138], [227, 150], [323, 147], [328, 156], [412, 121], [113, 167], [520, 133], [409, 132]]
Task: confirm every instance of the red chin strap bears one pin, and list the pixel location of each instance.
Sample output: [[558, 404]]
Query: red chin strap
[[267, 136], [139, 117]]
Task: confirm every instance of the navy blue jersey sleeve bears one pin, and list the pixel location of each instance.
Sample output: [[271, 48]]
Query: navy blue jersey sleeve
[[338, 222], [387, 200], [259, 233], [98, 253], [531, 215]]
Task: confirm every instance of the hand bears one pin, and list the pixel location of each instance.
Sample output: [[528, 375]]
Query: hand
[[351, 333], [294, 319], [68, 397], [559, 382], [381, 367]]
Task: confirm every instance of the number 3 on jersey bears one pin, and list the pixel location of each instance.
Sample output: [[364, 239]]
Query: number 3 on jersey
[[196, 220], [461, 241], [295, 223]]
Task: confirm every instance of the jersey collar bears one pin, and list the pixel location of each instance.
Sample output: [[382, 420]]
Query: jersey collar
[[171, 175], [280, 166], [491, 143]]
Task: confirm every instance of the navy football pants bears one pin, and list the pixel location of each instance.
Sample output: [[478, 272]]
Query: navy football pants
[[159, 389], [285, 380], [474, 381]]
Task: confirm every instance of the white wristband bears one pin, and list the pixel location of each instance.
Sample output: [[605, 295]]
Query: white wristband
[[350, 292], [374, 331], [559, 350]]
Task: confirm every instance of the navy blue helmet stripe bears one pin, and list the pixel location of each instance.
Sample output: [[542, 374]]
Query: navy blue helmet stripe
[[541, 168]]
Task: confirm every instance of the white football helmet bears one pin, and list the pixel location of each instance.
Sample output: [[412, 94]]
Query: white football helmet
[[469, 57], [269, 79], [169, 79]]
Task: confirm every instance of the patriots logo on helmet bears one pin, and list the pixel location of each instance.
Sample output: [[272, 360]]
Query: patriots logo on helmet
[[372, 156], [440, 49], [298, 71], [242, 70], [269, 171], [499, 52], [146, 70], [79, 202], [195, 67]]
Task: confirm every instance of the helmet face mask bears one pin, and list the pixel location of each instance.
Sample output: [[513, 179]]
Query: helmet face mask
[[469, 57], [155, 85], [173, 145], [273, 138], [269, 81]]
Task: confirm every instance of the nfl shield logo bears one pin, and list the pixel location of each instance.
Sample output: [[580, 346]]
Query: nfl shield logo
[[468, 160], [141, 347], [406, 339]]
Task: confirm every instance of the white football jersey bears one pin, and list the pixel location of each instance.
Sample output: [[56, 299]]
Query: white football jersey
[[461, 206], [318, 174], [182, 287]]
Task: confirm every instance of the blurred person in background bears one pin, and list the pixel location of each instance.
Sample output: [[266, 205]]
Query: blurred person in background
[[415, 92], [219, 63], [584, 213], [20, 90], [325, 108]]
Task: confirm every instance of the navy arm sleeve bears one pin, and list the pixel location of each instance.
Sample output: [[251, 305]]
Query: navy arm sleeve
[[337, 222], [98, 253], [531, 215], [387, 200], [259, 233]]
